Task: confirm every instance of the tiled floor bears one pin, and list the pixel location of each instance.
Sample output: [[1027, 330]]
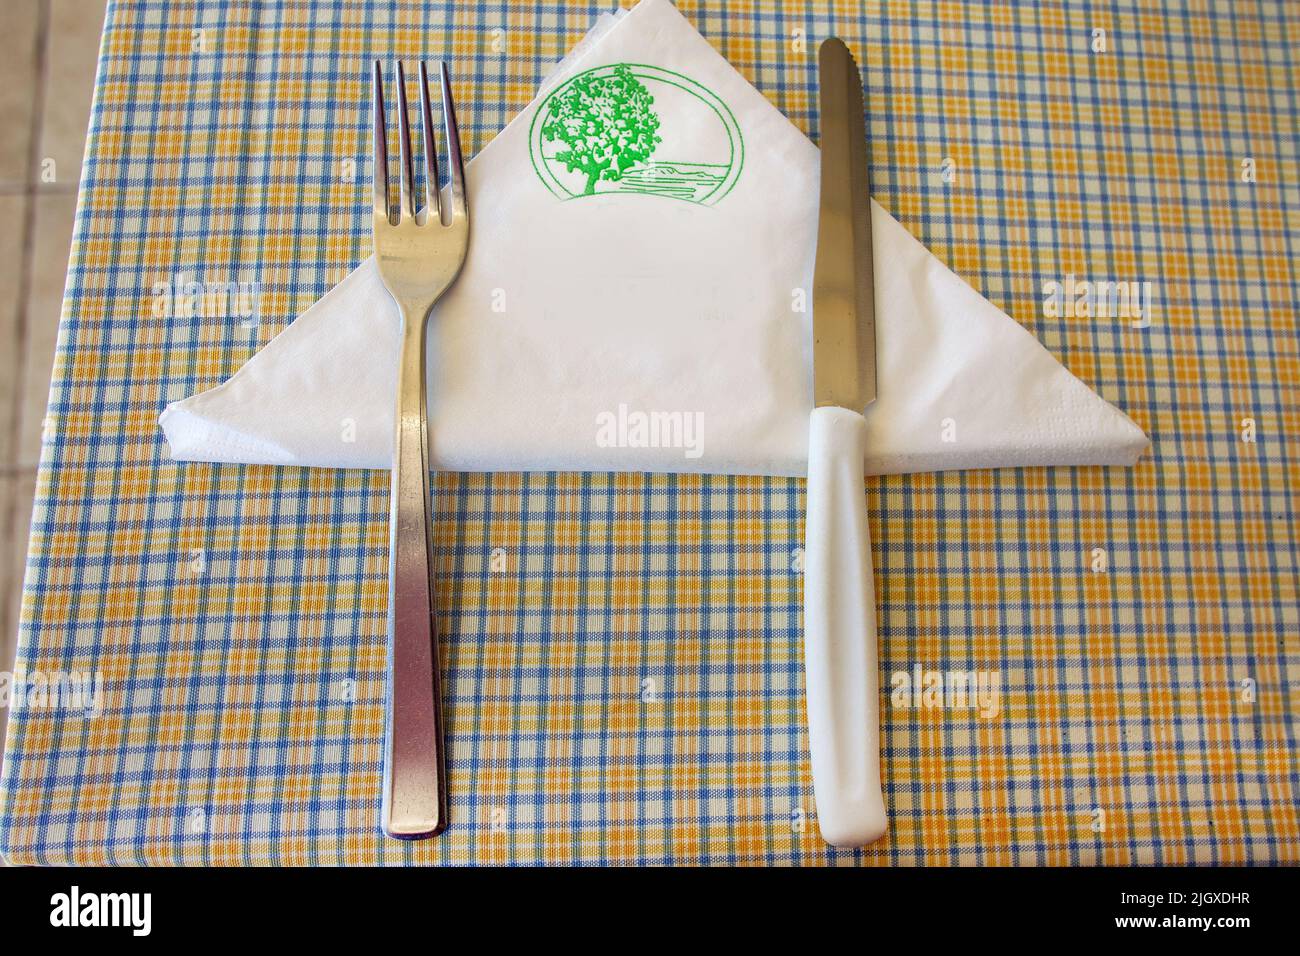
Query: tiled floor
[[47, 73]]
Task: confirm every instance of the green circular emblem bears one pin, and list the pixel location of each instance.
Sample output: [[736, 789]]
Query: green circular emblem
[[635, 128]]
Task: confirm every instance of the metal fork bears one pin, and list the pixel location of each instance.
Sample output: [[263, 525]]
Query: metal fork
[[420, 253]]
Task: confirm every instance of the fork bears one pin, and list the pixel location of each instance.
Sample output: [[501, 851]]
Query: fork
[[420, 252]]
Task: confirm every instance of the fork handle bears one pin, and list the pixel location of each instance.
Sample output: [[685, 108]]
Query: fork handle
[[415, 790]]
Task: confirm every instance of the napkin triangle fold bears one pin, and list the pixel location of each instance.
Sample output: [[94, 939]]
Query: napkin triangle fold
[[656, 320]]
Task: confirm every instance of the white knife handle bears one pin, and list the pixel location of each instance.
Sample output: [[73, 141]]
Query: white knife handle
[[839, 605]]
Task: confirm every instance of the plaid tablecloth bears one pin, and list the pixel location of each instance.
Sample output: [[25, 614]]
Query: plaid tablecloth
[[623, 660]]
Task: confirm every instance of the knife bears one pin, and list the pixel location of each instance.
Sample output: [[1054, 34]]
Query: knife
[[839, 595]]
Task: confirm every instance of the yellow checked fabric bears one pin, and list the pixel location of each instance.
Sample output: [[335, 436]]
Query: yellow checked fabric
[[622, 652]]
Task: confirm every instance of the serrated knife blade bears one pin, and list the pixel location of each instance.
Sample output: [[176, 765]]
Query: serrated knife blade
[[844, 307]]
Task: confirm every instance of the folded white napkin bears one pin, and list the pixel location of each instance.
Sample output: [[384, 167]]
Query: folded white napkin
[[637, 297]]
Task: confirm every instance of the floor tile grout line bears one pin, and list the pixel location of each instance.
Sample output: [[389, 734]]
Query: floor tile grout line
[[39, 189]]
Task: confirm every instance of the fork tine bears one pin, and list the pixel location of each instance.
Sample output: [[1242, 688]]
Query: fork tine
[[407, 188], [379, 158], [431, 204], [455, 162]]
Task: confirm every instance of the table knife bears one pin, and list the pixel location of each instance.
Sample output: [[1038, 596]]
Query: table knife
[[842, 681]]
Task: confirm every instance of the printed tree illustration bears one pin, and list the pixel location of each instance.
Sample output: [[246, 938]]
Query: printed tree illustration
[[606, 123]]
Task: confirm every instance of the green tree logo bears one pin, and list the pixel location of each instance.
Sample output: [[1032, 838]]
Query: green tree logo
[[635, 128], [606, 123]]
